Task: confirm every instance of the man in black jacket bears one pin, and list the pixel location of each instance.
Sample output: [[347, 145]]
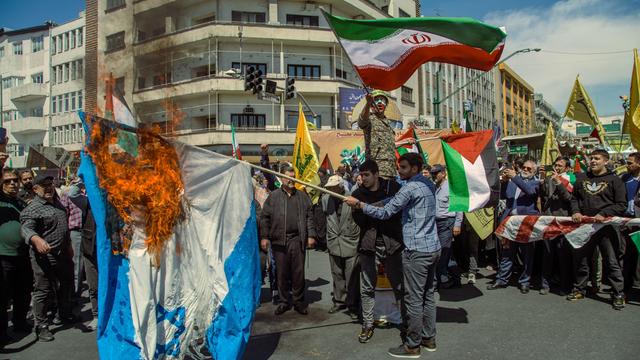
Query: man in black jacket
[[379, 240], [599, 194], [287, 224]]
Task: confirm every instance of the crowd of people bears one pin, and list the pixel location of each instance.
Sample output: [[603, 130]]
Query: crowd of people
[[47, 250]]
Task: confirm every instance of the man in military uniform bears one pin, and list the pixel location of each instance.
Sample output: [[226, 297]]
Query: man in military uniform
[[379, 138]]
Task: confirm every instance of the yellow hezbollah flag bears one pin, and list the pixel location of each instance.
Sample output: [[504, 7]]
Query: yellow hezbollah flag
[[580, 108], [481, 222], [305, 160], [550, 150], [631, 123], [455, 128]]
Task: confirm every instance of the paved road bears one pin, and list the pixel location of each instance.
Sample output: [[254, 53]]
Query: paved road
[[472, 324]]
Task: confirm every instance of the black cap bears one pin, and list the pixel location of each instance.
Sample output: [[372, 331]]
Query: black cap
[[42, 178], [437, 168]]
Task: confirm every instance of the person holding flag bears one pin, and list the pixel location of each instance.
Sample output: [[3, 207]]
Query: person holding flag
[[379, 137]]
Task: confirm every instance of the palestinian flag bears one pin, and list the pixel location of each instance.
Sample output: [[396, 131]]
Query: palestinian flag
[[386, 52], [580, 163], [567, 180], [408, 142], [472, 168]]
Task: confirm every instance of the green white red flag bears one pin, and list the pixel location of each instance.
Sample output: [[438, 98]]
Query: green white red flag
[[386, 52], [472, 168], [235, 147], [567, 180], [408, 142]]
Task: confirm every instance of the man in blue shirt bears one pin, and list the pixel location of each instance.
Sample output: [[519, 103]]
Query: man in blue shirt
[[629, 254], [416, 201]]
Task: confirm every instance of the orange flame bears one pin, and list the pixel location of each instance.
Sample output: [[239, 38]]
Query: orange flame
[[145, 190]]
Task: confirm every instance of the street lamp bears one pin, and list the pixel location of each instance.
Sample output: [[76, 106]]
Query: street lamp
[[437, 101]]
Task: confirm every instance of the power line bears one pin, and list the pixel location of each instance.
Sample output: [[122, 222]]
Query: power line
[[587, 53]]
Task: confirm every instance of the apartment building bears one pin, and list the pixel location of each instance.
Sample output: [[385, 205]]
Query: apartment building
[[517, 103]]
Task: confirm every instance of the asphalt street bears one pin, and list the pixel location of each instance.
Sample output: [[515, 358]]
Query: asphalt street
[[472, 324]]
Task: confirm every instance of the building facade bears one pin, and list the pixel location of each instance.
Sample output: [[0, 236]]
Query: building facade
[[42, 88], [546, 113], [517, 103]]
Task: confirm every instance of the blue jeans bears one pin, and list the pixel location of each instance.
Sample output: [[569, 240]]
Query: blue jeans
[[445, 235], [419, 270], [506, 263]]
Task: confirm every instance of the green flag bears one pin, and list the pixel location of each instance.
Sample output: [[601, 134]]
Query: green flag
[[635, 237]]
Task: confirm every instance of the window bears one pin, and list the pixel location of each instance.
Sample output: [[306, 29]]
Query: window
[[66, 72], [261, 67], [55, 135], [304, 71], [17, 48], [66, 41], [73, 70], [80, 99], [161, 79], [407, 95], [116, 4], [1, 51], [248, 17], [37, 78], [59, 71], [66, 102], [141, 82], [115, 41], [37, 112], [54, 108], [37, 43], [79, 37], [403, 13], [73, 101], [251, 121], [119, 85], [59, 43], [11, 81], [72, 39], [302, 20], [341, 74], [53, 45], [204, 19], [80, 69]]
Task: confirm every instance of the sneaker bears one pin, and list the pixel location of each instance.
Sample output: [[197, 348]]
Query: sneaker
[[471, 278], [496, 286], [429, 344], [524, 289], [575, 295], [282, 308], [353, 314], [336, 307], [618, 302], [544, 291], [92, 325], [365, 334], [302, 310], [43, 334], [405, 352]]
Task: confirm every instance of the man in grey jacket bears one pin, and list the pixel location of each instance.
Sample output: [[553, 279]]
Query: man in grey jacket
[[342, 242]]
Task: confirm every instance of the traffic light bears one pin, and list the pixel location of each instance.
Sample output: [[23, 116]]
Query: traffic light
[[290, 88], [253, 80]]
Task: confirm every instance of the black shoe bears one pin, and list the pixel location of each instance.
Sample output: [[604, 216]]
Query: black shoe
[[282, 308], [302, 310], [618, 302], [524, 289], [496, 286], [353, 314], [404, 351], [336, 307], [429, 344], [365, 334], [43, 334], [575, 295]]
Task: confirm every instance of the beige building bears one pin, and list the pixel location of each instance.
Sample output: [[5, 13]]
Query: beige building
[[518, 114]]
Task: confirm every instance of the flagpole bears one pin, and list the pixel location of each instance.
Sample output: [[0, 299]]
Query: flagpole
[[325, 13]]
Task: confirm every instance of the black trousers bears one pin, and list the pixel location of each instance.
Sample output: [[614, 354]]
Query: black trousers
[[606, 239], [290, 271], [15, 283], [91, 272], [53, 276]]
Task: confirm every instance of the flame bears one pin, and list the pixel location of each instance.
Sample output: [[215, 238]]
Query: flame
[[146, 191]]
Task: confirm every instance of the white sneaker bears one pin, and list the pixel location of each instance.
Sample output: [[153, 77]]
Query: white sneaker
[[93, 325], [471, 278]]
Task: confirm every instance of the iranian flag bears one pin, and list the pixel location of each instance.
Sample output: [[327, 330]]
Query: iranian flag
[[567, 180], [472, 168], [386, 52]]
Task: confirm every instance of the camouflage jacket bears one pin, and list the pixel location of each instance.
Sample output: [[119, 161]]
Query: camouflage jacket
[[379, 142]]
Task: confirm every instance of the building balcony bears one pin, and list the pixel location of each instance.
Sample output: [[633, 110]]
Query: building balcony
[[28, 125], [140, 6], [28, 92]]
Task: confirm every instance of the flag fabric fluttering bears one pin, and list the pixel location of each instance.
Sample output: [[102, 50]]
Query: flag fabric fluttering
[[201, 289], [472, 161], [631, 123], [386, 52], [305, 160], [235, 147], [550, 149], [580, 108], [596, 135], [526, 229], [455, 127], [580, 163], [567, 180], [326, 163], [635, 238], [408, 142]]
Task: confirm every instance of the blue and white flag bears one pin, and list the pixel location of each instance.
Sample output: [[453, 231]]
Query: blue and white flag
[[201, 297]]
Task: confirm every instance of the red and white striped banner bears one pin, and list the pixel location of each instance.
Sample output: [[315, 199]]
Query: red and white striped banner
[[525, 229]]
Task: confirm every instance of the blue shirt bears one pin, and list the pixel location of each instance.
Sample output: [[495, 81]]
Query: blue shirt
[[417, 202], [631, 184], [442, 202]]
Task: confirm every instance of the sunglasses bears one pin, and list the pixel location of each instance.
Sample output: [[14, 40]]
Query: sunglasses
[[8, 181], [527, 168]]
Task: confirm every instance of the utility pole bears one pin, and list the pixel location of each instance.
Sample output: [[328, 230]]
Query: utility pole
[[437, 101]]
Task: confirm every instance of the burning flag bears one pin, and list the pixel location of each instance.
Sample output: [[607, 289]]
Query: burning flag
[[176, 243]]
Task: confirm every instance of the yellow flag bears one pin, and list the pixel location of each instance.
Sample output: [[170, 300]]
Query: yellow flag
[[550, 150], [305, 160], [631, 123], [580, 108], [455, 128]]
